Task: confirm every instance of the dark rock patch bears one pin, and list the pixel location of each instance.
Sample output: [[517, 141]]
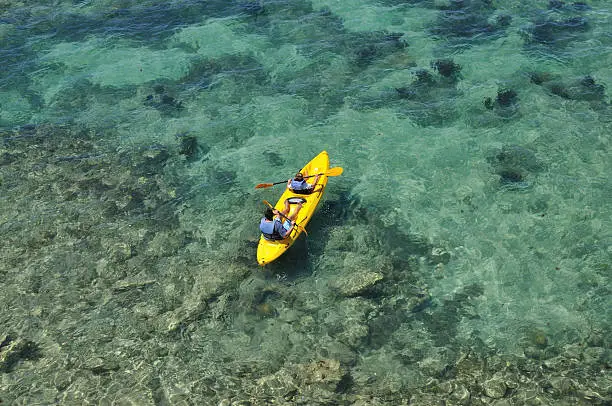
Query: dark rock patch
[[506, 97], [562, 5], [447, 68], [163, 101], [505, 104], [274, 158], [558, 26], [584, 88], [190, 147], [15, 350], [514, 165], [151, 160], [469, 20], [245, 69], [549, 32], [369, 47]]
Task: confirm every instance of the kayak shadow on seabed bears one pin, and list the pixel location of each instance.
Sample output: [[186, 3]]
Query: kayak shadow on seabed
[[294, 264]]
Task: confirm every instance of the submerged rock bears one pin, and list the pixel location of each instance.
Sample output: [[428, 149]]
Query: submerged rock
[[423, 77], [7, 158], [540, 339], [189, 311], [126, 285], [163, 101], [515, 156], [151, 160], [495, 388], [559, 25], [469, 19], [326, 374], [439, 256], [584, 88], [12, 351], [561, 385], [208, 284], [356, 283], [506, 97], [461, 395], [265, 310], [505, 104], [188, 145], [371, 46], [514, 164], [312, 383], [555, 32], [447, 68], [252, 7], [354, 334], [541, 77], [430, 99], [274, 158], [101, 365], [510, 176]]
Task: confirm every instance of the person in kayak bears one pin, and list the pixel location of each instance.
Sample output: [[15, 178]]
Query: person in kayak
[[277, 225], [299, 185]]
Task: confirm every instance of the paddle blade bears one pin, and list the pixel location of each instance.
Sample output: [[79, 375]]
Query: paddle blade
[[336, 171], [264, 185]]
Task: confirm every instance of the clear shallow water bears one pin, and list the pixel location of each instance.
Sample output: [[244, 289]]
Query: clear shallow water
[[133, 135]]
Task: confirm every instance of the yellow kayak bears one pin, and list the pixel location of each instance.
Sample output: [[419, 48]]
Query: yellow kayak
[[268, 250]]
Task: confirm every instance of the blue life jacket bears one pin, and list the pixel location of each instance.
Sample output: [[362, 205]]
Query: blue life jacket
[[299, 185], [271, 229]]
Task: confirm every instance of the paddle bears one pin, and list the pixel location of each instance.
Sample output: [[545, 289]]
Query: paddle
[[337, 171], [267, 203]]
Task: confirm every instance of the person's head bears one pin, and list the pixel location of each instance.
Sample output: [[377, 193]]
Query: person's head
[[269, 214], [299, 177]]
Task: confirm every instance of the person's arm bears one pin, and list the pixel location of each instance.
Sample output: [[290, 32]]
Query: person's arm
[[280, 228], [316, 180], [313, 184], [288, 232]]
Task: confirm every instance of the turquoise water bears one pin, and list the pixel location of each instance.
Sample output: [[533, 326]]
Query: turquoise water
[[475, 199]]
